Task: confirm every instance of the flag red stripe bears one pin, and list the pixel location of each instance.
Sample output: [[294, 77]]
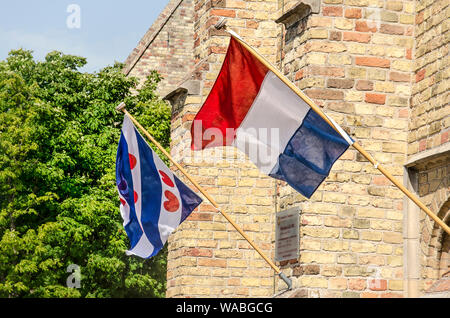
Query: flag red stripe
[[232, 95]]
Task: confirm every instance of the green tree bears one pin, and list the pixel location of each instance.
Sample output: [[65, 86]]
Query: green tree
[[58, 199]]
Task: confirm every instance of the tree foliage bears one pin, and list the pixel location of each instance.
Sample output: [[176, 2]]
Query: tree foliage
[[58, 199]]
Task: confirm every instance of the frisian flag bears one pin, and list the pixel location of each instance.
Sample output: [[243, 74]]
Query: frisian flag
[[153, 201], [249, 107]]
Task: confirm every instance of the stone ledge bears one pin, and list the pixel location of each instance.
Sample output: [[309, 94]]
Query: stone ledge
[[424, 157], [298, 12], [177, 97]]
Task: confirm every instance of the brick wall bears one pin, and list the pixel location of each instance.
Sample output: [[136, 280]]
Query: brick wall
[[430, 108], [167, 47], [207, 256], [379, 68], [428, 143], [354, 59]]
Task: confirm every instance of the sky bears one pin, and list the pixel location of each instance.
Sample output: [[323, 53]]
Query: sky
[[103, 31]]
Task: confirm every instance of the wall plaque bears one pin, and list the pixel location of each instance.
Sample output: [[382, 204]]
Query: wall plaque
[[287, 234]]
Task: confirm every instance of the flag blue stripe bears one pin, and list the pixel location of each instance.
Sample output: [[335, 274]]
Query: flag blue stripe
[[151, 195], [190, 200], [124, 182], [309, 155]]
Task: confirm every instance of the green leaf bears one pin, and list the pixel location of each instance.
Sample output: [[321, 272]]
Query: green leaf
[[58, 199]]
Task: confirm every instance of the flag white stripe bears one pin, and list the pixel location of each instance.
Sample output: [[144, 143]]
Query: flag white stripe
[[124, 211], [275, 115], [168, 221]]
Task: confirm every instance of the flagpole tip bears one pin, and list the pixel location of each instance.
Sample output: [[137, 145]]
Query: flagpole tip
[[120, 106], [222, 22]]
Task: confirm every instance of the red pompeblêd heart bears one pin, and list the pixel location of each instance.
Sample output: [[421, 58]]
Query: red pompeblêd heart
[[166, 179], [133, 161], [172, 204]]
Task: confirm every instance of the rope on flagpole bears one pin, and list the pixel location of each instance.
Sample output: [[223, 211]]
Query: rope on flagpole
[[222, 25], [121, 107]]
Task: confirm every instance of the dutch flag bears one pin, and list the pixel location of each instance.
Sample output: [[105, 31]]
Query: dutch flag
[[153, 201], [250, 108]]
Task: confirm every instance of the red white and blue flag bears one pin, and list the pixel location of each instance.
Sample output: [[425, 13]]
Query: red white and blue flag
[[250, 108], [153, 201]]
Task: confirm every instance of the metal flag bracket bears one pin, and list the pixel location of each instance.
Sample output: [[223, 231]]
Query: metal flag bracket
[[287, 280]]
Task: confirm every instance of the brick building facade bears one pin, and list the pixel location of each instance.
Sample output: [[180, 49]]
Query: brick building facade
[[381, 70]]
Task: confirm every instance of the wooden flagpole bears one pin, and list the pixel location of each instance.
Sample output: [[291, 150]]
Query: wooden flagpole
[[121, 107], [222, 25]]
